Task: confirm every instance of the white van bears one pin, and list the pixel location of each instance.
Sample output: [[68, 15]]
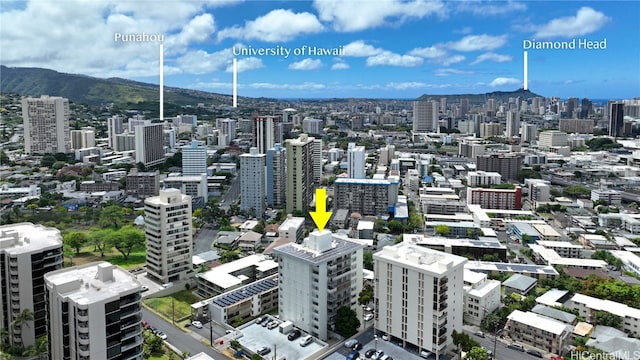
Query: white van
[[306, 340], [425, 354]]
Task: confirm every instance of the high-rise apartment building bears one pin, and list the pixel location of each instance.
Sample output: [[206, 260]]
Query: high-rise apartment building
[[616, 120], [316, 279], [356, 168], [419, 296], [194, 159], [227, 131], [135, 121], [464, 107], [316, 156], [168, 235], [579, 126], [508, 165], [300, 172], [27, 252], [425, 116], [488, 130], [143, 184], [265, 132], [312, 126], [115, 126], [366, 196], [551, 138], [94, 313], [46, 125], [81, 139], [528, 133], [149, 144], [513, 123], [507, 199], [276, 176], [252, 182]]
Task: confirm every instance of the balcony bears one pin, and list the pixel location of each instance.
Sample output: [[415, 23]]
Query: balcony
[[83, 339], [130, 344]]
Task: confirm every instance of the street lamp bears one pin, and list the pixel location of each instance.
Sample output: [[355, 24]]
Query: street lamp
[[495, 341], [375, 341]]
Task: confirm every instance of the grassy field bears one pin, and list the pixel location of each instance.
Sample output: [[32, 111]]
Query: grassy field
[[181, 304], [136, 258]]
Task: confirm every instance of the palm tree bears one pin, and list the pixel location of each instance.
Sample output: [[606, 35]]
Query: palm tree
[[22, 319]]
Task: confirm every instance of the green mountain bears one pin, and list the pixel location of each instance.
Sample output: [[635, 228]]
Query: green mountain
[[500, 96], [91, 90]]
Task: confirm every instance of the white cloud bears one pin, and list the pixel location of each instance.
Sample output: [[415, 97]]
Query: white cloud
[[492, 57], [464, 31], [197, 30], [450, 71], [246, 64], [358, 48], [586, 21], [340, 65], [393, 59], [301, 86], [202, 62], [406, 85], [349, 16], [306, 64], [276, 25], [501, 81], [478, 42], [432, 52], [450, 60], [485, 8]]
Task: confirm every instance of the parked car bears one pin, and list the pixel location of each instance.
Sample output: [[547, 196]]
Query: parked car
[[425, 354], [294, 335], [368, 317], [369, 353], [480, 334], [535, 353], [350, 343], [259, 320], [516, 347], [354, 355], [196, 324], [385, 337], [162, 335], [357, 347], [263, 350], [378, 354], [306, 340], [272, 325]]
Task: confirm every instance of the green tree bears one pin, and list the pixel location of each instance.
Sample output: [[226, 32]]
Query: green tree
[[126, 239], [25, 318], [608, 319], [477, 353], [347, 322], [366, 295], [576, 191], [112, 216], [443, 230], [367, 260], [100, 240], [76, 240]]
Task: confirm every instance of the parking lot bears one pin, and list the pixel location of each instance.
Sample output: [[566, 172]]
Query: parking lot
[[255, 336], [389, 348]]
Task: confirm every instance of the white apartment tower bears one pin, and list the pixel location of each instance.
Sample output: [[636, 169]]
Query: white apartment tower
[[356, 161], [425, 116], [227, 131], [419, 296], [149, 144], [252, 182], [27, 252], [300, 173], [528, 133], [316, 279], [114, 127], [168, 235], [84, 138], [276, 176], [317, 160], [194, 159], [46, 125], [94, 313], [265, 132], [513, 123]]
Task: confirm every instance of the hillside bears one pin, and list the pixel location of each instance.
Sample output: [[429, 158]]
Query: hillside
[[500, 96], [91, 90]]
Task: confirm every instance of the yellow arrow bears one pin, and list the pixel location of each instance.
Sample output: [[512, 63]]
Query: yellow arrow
[[321, 216]]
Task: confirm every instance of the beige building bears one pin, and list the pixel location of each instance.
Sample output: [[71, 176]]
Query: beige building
[[419, 296], [538, 331], [94, 312], [300, 173], [168, 236], [46, 125]]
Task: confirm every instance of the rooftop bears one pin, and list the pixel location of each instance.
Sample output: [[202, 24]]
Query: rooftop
[[24, 238], [335, 246], [520, 282], [435, 262], [538, 321], [245, 292], [222, 275]]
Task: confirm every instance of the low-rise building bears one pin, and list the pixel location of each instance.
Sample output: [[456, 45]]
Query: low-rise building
[[519, 284], [588, 306], [482, 296], [547, 233], [249, 241], [510, 199], [538, 331], [292, 228], [563, 248], [235, 274], [609, 197]]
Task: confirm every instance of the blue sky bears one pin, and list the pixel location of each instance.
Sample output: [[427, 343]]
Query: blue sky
[[391, 48]]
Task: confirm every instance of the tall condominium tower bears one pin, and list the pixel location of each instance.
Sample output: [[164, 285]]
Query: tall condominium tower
[[425, 116], [115, 126], [300, 172], [84, 138], [194, 159], [252, 182], [356, 161], [316, 279], [149, 144], [513, 123], [616, 120], [168, 235], [508, 165], [94, 313], [317, 160], [227, 131], [27, 252], [419, 296], [276, 176], [265, 132], [46, 125]]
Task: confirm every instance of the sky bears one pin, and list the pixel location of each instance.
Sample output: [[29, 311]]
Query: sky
[[370, 48]]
